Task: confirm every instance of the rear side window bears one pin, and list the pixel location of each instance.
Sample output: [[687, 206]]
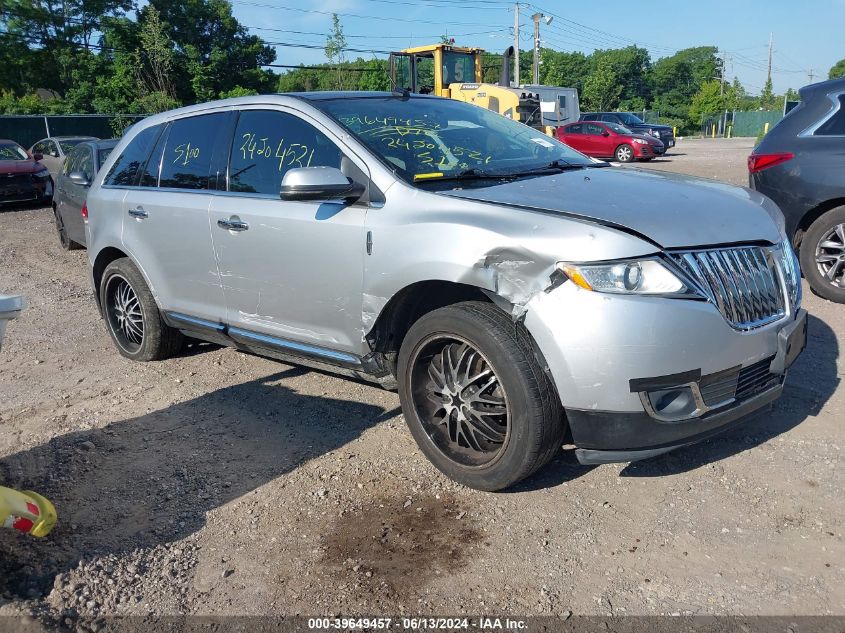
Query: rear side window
[[269, 143], [125, 169], [835, 125], [187, 157], [149, 178], [594, 129], [86, 162], [71, 161], [575, 129], [589, 117]]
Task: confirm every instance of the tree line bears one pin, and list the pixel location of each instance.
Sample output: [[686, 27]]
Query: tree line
[[110, 56]]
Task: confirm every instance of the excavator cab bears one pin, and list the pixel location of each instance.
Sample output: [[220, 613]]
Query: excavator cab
[[432, 69]]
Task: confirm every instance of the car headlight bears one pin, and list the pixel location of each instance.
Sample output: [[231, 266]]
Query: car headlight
[[791, 272], [640, 141], [639, 277]]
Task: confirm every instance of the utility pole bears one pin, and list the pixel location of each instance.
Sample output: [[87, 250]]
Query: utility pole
[[722, 74], [516, 44], [536, 65], [811, 74], [771, 35]]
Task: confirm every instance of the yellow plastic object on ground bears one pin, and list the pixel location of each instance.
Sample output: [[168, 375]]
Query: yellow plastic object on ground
[[27, 512]]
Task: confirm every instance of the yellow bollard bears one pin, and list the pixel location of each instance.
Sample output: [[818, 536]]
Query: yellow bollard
[[730, 129], [27, 512], [713, 135], [675, 130], [766, 128]]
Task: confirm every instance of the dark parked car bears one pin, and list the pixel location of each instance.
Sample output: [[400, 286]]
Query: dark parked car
[[72, 183], [610, 140], [22, 178], [800, 164], [54, 149], [634, 123]]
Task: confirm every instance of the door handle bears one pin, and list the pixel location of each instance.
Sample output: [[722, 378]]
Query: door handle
[[233, 224], [138, 213]]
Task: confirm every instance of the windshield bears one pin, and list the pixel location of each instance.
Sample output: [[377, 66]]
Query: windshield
[[619, 129], [69, 144], [12, 151], [427, 139], [458, 68], [630, 119]]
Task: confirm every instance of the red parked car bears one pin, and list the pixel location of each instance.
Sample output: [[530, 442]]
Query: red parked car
[[22, 178], [610, 140]]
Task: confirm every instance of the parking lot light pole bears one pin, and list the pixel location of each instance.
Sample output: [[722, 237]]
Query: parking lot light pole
[[548, 20]]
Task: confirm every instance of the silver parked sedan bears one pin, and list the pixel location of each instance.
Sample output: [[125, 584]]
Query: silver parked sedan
[[72, 184], [55, 149], [514, 291]]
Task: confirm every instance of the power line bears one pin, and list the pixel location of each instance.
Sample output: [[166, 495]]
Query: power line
[[359, 15]]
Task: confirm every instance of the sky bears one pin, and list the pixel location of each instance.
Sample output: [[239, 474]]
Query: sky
[[806, 34]]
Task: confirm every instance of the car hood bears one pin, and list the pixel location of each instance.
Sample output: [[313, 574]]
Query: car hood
[[650, 126], [19, 167], [670, 210]]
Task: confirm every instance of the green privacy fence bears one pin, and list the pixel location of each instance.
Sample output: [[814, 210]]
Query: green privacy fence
[[753, 122], [27, 129], [734, 123]]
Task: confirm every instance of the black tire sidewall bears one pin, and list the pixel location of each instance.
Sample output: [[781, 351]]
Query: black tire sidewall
[[807, 255], [523, 410], [149, 310], [64, 240]]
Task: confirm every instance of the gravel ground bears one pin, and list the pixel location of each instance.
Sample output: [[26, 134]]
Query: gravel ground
[[224, 483]]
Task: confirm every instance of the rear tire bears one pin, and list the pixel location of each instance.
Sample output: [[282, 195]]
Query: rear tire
[[132, 315], [624, 153], [65, 241], [822, 255], [475, 397]]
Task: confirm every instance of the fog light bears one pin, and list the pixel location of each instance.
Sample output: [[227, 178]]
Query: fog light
[[673, 404]]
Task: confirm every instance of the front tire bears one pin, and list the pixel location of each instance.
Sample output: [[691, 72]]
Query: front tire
[[132, 315], [475, 397], [624, 153], [822, 255]]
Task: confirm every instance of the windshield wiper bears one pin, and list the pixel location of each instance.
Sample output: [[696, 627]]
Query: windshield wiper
[[466, 174], [555, 165]]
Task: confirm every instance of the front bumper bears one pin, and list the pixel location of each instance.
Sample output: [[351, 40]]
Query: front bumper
[[640, 436], [603, 350], [24, 188]]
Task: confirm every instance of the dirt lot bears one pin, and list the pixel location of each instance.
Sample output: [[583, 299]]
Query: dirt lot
[[223, 483]]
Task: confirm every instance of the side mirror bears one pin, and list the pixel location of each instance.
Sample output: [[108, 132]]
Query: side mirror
[[79, 178], [37, 156], [605, 133], [319, 183]]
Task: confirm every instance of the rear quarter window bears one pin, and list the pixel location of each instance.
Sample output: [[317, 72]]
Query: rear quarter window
[[835, 125], [124, 171], [187, 157]]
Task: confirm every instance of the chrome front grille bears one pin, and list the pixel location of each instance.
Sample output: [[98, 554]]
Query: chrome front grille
[[743, 282]]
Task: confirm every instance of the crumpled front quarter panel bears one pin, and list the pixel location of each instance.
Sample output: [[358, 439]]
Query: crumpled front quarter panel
[[420, 236]]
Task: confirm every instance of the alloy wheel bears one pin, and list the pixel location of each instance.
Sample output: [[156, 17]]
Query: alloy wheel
[[459, 400], [624, 154], [830, 256], [124, 314]]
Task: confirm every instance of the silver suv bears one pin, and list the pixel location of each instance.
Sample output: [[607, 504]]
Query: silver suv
[[517, 294]]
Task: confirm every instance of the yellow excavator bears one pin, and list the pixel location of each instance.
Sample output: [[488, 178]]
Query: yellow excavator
[[456, 72]]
